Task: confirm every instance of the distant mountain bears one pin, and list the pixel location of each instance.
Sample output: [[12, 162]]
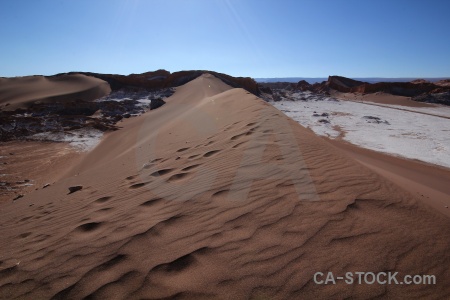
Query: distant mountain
[[292, 79], [164, 79], [312, 80], [432, 90]]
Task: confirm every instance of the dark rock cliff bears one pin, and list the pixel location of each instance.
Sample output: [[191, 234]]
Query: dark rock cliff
[[164, 79]]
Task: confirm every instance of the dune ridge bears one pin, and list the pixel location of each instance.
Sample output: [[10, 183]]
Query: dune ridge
[[217, 195], [23, 91]]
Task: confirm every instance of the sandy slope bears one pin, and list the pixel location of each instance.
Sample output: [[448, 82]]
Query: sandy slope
[[218, 195], [416, 133], [428, 182], [381, 98], [28, 165], [21, 91]]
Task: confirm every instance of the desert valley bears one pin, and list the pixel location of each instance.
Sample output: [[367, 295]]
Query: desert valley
[[200, 185]]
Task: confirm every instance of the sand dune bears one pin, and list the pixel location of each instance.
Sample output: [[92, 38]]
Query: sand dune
[[218, 195], [30, 165], [428, 182], [21, 91], [413, 133], [381, 98]]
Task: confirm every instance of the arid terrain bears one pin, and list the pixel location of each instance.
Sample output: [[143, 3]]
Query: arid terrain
[[199, 185]]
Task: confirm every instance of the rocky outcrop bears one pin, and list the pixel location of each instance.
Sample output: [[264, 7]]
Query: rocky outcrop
[[164, 79], [418, 81], [147, 80], [246, 83], [418, 90], [265, 89], [131, 95], [57, 117], [277, 91], [438, 98], [409, 89], [321, 88], [303, 85], [156, 103], [53, 118], [76, 188], [444, 83], [343, 84]]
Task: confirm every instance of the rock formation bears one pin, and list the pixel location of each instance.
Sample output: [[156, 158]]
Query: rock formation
[[409, 89], [418, 90], [343, 84], [164, 79], [444, 82], [156, 103], [78, 110]]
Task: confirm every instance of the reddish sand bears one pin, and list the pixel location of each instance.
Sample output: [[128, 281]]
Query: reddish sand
[[427, 182], [381, 98], [218, 195], [26, 166], [21, 91]]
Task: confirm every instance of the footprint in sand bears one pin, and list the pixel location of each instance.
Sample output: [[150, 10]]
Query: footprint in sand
[[211, 153], [182, 263], [41, 238], [24, 235], [182, 149], [147, 166], [220, 193], [119, 258], [89, 227], [189, 168], [104, 209], [8, 271], [137, 185], [25, 219], [178, 177], [151, 202], [103, 199], [238, 136], [161, 172], [238, 145]]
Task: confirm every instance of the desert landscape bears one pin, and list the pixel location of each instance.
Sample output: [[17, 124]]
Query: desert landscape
[[224, 149], [213, 193]]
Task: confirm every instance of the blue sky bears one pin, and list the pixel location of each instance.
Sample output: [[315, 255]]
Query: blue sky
[[260, 38]]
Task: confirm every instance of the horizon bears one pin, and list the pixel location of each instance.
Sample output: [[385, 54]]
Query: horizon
[[260, 79], [258, 39]]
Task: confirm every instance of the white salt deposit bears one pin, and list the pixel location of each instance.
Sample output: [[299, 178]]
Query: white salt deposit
[[81, 139], [386, 128]]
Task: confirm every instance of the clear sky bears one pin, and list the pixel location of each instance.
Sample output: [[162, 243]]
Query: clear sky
[[257, 38]]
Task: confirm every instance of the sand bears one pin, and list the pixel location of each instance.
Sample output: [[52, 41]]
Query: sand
[[17, 92], [218, 195], [426, 181], [381, 98], [27, 165], [413, 133]]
